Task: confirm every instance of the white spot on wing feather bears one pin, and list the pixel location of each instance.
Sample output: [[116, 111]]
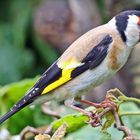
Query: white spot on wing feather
[[36, 89]]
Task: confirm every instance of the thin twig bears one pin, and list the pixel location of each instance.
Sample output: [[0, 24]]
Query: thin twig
[[46, 109], [129, 113], [125, 129], [28, 129]]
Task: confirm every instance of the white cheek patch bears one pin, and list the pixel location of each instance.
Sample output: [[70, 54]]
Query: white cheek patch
[[133, 19], [132, 31]]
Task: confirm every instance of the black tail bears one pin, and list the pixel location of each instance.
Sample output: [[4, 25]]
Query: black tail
[[26, 100], [7, 115], [17, 107]]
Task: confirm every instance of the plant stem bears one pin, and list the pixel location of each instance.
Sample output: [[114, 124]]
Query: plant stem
[[129, 113], [120, 127], [133, 99]]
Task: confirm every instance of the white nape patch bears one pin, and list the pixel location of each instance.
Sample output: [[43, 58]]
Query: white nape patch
[[133, 19], [112, 23], [132, 31]]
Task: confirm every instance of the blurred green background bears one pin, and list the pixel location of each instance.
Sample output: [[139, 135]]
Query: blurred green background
[[20, 54], [34, 33]]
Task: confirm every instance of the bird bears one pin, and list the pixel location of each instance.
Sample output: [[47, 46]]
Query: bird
[[88, 62]]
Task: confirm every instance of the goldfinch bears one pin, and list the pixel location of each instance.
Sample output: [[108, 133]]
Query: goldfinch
[[89, 61]]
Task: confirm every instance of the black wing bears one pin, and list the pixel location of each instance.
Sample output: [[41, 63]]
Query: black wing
[[94, 57]]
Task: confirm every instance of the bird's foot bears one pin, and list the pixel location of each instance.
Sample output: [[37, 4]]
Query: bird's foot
[[96, 118], [107, 103], [100, 110]]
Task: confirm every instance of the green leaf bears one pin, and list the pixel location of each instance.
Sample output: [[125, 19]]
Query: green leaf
[[89, 133], [14, 62], [9, 95], [131, 121], [109, 120], [40, 118], [20, 120], [20, 21], [74, 122], [46, 52]]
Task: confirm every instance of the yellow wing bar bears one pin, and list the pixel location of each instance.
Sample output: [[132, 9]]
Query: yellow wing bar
[[66, 76], [67, 67]]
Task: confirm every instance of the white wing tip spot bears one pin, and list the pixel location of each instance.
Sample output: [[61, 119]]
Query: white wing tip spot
[[36, 89], [30, 95]]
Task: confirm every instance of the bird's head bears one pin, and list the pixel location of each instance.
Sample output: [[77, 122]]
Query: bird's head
[[128, 25]]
